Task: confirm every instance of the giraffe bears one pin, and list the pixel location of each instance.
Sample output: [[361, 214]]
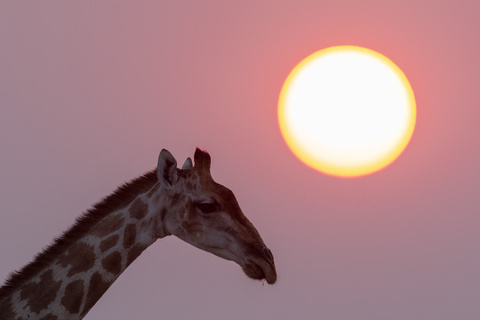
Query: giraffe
[[69, 277]]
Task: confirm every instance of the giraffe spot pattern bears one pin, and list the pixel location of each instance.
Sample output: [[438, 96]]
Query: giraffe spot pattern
[[129, 236], [41, 294], [108, 225], [138, 209], [109, 242], [73, 296], [80, 256], [96, 290], [134, 252], [113, 263], [49, 317]]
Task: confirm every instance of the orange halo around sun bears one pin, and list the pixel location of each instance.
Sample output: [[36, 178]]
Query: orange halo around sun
[[347, 111]]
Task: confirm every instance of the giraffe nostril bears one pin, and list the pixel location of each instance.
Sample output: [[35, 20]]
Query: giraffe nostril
[[268, 254]]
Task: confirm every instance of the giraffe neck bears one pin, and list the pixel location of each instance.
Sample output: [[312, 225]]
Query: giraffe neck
[[74, 278]]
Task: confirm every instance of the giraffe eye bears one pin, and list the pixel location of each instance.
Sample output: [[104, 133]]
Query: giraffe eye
[[207, 207]]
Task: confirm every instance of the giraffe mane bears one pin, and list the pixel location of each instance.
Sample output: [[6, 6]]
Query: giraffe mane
[[83, 224]]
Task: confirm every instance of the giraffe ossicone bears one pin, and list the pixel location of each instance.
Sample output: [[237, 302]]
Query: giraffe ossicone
[[66, 279]]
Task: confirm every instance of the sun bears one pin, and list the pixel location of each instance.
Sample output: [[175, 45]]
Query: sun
[[347, 111]]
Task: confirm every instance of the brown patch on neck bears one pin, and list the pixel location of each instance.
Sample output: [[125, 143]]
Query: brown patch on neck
[[40, 294], [135, 252], [72, 299], [84, 224], [108, 243], [80, 256], [49, 317], [96, 290], [113, 263], [138, 209], [108, 225]]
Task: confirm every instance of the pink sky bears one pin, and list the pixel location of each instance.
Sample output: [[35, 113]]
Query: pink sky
[[91, 92]]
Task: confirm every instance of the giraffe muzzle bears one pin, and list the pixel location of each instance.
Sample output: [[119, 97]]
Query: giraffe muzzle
[[268, 255], [262, 268], [270, 271]]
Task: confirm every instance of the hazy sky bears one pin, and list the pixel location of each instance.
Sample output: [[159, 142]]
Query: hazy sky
[[90, 92]]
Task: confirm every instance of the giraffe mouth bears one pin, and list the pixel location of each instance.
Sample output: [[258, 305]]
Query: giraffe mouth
[[262, 268], [256, 272], [256, 261]]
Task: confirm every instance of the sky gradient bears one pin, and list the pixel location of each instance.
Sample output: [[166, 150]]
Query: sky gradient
[[91, 92]]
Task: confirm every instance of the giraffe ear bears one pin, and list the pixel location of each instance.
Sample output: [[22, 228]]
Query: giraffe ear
[[202, 159], [166, 169], [188, 164]]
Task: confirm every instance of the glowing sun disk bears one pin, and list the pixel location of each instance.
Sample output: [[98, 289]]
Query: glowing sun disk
[[347, 111]]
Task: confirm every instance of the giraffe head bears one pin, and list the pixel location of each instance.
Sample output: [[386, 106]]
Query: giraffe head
[[207, 215]]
